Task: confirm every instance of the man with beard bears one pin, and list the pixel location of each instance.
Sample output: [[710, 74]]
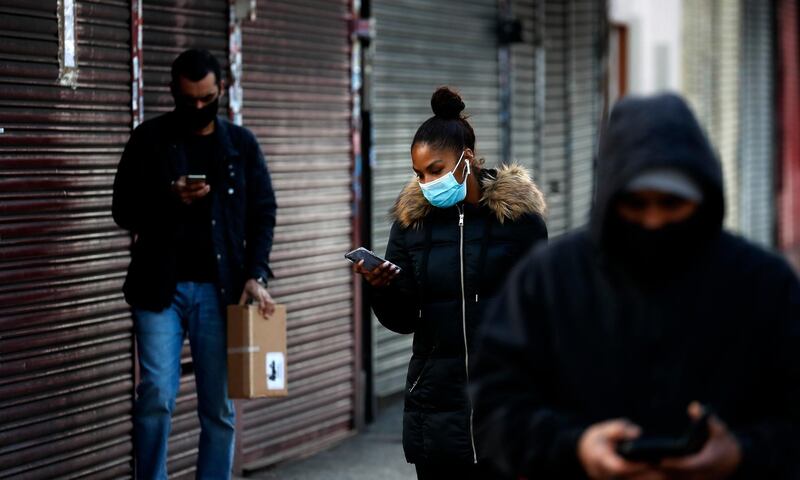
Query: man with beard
[[194, 191], [642, 323]]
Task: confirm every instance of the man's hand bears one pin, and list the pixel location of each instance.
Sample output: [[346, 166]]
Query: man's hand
[[256, 291], [718, 459], [597, 453], [188, 192], [379, 276]]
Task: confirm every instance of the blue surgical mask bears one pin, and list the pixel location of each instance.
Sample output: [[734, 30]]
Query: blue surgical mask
[[445, 191]]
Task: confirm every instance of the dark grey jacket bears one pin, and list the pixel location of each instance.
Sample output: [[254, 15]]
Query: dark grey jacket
[[243, 210]]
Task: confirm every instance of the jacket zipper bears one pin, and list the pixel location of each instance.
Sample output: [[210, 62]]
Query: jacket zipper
[[414, 385], [464, 326], [421, 372]]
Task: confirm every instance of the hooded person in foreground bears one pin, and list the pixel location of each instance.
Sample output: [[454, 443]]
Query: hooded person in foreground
[[643, 321]]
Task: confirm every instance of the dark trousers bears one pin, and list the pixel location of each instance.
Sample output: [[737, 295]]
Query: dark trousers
[[445, 471]]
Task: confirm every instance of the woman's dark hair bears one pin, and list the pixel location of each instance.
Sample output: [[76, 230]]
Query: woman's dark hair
[[194, 65], [448, 128]]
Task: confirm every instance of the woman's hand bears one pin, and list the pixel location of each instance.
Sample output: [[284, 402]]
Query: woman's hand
[[380, 276]]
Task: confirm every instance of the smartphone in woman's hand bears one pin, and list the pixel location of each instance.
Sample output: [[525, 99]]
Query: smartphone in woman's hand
[[371, 261]]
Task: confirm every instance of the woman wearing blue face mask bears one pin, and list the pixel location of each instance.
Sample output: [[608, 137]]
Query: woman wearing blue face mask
[[458, 229]]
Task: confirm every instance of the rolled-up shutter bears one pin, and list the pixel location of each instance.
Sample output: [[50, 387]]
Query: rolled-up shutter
[[296, 81], [419, 46], [170, 27], [66, 350], [757, 133]]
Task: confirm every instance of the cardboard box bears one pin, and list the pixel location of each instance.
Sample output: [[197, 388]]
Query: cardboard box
[[256, 352]]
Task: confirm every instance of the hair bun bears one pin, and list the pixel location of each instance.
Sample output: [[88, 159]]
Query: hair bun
[[447, 104]]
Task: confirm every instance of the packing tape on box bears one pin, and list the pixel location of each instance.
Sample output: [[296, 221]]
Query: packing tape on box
[[247, 349]]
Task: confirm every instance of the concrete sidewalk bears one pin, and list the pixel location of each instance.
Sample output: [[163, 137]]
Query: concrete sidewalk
[[376, 453]]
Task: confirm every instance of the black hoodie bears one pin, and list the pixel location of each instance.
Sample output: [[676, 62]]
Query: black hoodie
[[579, 337]]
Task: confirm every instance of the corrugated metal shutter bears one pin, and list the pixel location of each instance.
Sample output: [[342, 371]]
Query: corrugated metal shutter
[[711, 84], [297, 101], [66, 356], [698, 78], [555, 130], [572, 34], [725, 120], [170, 27], [789, 106], [420, 45], [585, 27], [757, 135], [525, 107]]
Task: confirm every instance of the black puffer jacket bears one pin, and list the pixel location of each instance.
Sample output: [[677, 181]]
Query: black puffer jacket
[[427, 298], [580, 335]]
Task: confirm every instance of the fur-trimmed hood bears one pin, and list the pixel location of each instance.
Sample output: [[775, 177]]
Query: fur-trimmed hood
[[509, 192]]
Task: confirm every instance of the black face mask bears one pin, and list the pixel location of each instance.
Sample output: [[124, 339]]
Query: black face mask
[[663, 250], [194, 119]]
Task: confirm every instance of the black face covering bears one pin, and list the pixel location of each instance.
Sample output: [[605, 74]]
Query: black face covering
[[194, 119], [663, 250]]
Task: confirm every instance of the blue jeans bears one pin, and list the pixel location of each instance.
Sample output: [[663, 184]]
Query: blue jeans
[[195, 311]]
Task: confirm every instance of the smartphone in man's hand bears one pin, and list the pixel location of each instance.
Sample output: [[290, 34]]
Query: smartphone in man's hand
[[195, 178]]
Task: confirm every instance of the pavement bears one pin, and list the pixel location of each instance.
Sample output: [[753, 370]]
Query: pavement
[[375, 453]]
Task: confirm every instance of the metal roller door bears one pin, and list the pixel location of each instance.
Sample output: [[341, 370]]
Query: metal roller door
[[757, 136], [572, 33], [417, 50], [170, 27], [788, 20], [526, 88], [296, 81], [725, 120], [698, 77], [66, 356], [711, 84], [555, 129], [586, 21]]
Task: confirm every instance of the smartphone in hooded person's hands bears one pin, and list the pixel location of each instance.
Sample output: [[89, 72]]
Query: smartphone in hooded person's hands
[[653, 449], [371, 261]]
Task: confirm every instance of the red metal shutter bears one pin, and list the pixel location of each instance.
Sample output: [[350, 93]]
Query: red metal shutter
[[789, 107], [169, 28], [297, 101], [66, 371]]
